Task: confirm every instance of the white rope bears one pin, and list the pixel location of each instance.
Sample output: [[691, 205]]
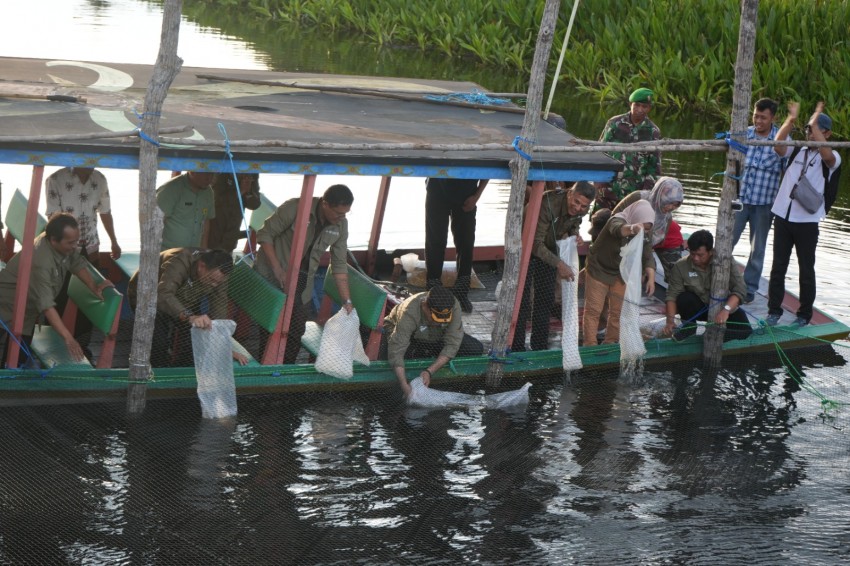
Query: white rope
[[560, 60]]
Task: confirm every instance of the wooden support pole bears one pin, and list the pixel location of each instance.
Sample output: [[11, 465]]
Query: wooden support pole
[[150, 217], [377, 223], [713, 341], [519, 174], [529, 228], [276, 347], [25, 266]]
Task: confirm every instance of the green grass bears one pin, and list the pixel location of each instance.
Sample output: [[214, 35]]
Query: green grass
[[684, 49]]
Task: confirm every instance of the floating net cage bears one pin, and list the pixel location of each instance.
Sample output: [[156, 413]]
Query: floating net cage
[[677, 462]]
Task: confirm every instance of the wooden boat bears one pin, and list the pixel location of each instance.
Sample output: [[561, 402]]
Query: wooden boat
[[294, 131]]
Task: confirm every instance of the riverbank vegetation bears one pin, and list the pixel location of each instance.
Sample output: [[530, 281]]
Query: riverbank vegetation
[[684, 49]]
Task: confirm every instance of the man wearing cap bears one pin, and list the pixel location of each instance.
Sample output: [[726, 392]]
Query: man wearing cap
[[759, 185], [426, 325], [794, 227], [640, 169]]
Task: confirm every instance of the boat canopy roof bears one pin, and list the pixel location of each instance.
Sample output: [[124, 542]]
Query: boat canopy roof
[[234, 107]]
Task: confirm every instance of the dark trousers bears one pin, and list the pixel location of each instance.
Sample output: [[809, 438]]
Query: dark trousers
[[802, 236], [22, 357], [688, 304], [442, 207], [417, 349], [297, 325], [172, 342], [541, 279]]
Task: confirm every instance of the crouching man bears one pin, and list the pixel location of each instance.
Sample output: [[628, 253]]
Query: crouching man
[[689, 290], [426, 325], [192, 292]]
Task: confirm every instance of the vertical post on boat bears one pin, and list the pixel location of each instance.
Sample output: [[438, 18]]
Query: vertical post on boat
[[377, 222], [276, 346], [713, 342], [150, 217], [519, 173], [528, 230], [25, 266]]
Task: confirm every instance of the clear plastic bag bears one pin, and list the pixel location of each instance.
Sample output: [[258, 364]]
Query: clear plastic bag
[[568, 252], [632, 347], [421, 396], [341, 346], [213, 355]]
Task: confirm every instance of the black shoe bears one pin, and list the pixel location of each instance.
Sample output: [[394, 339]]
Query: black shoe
[[465, 304]]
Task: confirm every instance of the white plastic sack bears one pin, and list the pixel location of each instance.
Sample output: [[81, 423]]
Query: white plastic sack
[[214, 369], [568, 252], [422, 396], [507, 399], [632, 347], [341, 346]]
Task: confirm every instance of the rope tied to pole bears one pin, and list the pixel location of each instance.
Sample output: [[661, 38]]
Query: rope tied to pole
[[141, 132], [515, 145], [229, 155]]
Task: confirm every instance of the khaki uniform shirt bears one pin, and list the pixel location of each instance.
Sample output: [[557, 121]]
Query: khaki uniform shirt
[[278, 229], [186, 212], [603, 260], [553, 224], [685, 276], [407, 322], [49, 269], [179, 288]]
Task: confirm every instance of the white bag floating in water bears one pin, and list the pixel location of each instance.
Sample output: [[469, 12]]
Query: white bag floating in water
[[568, 252], [632, 347], [214, 369], [422, 396], [341, 346]]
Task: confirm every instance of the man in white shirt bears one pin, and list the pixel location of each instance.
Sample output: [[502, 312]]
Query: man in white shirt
[[794, 227]]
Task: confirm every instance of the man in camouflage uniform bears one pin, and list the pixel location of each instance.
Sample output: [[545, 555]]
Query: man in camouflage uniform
[[641, 169]]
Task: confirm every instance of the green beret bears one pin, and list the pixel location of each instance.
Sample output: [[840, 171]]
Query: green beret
[[641, 95]]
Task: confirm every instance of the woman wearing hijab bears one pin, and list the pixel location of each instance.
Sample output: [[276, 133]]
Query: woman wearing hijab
[[603, 279], [665, 197]]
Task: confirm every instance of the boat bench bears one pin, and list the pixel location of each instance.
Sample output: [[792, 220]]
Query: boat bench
[[261, 301], [369, 299], [16, 216], [104, 315]]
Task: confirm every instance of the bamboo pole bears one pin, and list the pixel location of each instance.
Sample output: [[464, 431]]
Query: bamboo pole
[[519, 175], [90, 136], [377, 92], [150, 218], [713, 341], [579, 146]]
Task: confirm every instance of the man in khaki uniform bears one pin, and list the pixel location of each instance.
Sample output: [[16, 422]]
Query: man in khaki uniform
[[54, 255], [689, 291], [327, 228], [426, 325], [192, 291]]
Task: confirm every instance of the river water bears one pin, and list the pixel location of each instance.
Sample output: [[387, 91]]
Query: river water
[[686, 466]]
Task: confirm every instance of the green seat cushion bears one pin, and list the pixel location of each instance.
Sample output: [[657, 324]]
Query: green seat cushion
[[16, 216], [368, 298], [261, 300], [50, 348], [101, 313]]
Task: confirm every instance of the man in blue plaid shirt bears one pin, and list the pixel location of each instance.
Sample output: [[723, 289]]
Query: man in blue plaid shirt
[[759, 185]]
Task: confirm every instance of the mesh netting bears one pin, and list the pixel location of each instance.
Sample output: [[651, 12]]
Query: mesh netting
[[741, 462]]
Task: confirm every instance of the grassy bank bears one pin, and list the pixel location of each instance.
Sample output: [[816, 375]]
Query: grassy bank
[[683, 49]]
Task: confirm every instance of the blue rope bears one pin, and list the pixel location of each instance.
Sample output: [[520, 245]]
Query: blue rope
[[516, 147], [142, 134], [736, 177], [734, 144], [21, 344], [236, 185]]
